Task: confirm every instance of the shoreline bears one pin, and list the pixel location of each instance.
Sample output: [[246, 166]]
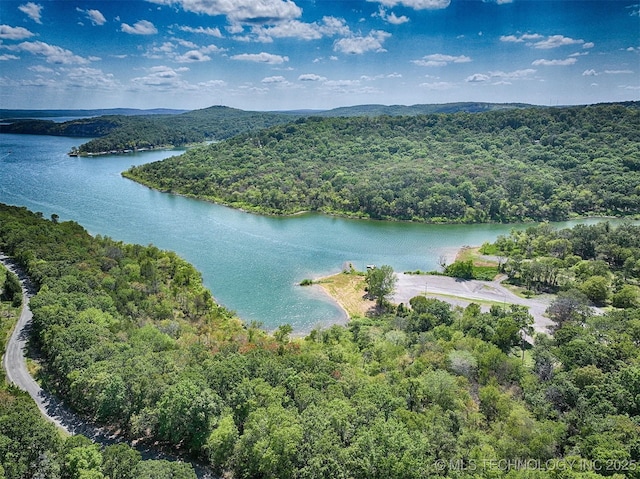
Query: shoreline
[[355, 216], [454, 291]]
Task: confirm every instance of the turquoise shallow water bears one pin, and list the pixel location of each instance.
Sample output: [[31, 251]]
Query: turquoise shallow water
[[252, 264]]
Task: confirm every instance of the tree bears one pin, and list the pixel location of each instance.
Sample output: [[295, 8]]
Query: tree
[[568, 306], [79, 461], [596, 288], [381, 283], [269, 446], [119, 461], [460, 269], [161, 469], [627, 297], [221, 443], [187, 412], [12, 291]]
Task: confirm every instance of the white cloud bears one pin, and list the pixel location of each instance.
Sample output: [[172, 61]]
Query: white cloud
[[415, 4], [157, 52], [551, 63], [14, 33], [390, 17], [329, 26], [538, 41], [311, 77], [440, 60], [278, 81], [143, 27], [91, 78], [261, 58], [234, 28], [185, 43], [193, 53], [395, 20], [527, 37], [514, 75], [52, 53], [192, 56], [212, 49], [441, 85], [274, 79], [240, 10], [478, 78], [33, 11], [161, 78], [95, 16], [342, 83], [5, 58], [500, 77], [41, 69], [360, 45], [291, 29], [555, 41], [212, 32], [593, 73], [212, 84]]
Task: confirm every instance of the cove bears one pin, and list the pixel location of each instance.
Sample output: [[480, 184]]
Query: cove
[[252, 264]]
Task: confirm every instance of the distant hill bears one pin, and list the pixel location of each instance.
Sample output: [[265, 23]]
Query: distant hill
[[130, 129], [117, 133], [425, 109], [32, 114]]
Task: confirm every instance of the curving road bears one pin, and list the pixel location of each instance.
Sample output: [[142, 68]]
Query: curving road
[[15, 366], [462, 292]]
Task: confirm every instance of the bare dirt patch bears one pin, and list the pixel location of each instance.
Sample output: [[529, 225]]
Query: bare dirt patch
[[348, 290]]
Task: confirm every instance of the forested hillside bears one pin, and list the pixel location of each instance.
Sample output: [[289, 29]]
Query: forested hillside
[[420, 109], [503, 166], [121, 133], [128, 336]]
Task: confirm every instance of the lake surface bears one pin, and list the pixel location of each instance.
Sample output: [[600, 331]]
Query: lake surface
[[252, 264]]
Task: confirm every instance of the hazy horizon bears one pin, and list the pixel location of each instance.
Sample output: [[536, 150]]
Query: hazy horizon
[[280, 55]]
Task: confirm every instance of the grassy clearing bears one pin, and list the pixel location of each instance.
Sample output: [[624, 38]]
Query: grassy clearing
[[484, 268]]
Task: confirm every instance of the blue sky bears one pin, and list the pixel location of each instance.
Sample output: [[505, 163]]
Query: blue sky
[[318, 54]]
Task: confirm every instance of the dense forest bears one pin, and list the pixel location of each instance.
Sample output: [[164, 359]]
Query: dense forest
[[125, 132], [499, 166], [599, 262], [32, 447], [129, 336]]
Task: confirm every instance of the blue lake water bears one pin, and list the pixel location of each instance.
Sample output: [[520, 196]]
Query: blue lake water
[[252, 264]]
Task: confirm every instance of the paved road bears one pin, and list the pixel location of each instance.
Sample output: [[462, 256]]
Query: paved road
[[463, 292], [15, 366]]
